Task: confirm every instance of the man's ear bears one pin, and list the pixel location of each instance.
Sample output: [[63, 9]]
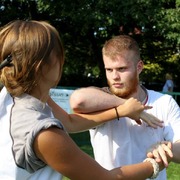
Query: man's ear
[[140, 66]]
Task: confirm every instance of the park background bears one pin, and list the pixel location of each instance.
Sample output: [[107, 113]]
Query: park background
[[85, 25]]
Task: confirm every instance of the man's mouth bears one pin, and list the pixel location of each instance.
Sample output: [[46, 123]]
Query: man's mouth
[[118, 85]]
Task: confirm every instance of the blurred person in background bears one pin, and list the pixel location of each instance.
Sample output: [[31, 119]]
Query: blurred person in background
[[169, 84]]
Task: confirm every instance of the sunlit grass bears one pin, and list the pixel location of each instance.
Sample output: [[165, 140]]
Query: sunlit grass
[[173, 171]]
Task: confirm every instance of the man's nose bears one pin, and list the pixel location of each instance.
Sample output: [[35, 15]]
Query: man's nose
[[116, 74]]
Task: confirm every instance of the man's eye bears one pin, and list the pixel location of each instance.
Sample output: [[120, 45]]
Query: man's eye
[[122, 69], [109, 70]]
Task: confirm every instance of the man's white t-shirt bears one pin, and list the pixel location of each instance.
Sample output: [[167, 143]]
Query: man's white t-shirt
[[123, 142]]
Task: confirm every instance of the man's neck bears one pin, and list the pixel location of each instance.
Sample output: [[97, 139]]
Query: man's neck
[[141, 94]]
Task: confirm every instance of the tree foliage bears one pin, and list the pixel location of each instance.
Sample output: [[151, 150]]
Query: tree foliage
[[86, 24]]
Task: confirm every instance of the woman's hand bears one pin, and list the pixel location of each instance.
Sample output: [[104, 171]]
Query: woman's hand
[[161, 152]]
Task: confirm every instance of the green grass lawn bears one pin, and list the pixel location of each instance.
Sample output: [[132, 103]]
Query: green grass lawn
[[82, 140], [173, 171]]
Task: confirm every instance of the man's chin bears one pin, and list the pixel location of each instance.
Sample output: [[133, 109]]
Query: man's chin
[[120, 92], [117, 92]]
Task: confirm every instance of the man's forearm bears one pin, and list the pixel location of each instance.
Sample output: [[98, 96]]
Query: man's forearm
[[176, 152], [92, 99]]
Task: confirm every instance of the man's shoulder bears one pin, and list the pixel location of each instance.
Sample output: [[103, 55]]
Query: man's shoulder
[[158, 96], [157, 93], [153, 92]]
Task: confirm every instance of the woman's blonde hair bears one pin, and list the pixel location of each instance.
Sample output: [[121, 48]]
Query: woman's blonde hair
[[29, 44]]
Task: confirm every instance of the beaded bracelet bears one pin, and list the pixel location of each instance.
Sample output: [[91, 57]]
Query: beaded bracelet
[[155, 167]]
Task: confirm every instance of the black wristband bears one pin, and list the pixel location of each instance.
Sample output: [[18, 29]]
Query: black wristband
[[117, 113]]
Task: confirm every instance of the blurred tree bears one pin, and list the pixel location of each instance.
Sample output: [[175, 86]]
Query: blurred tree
[[86, 24]]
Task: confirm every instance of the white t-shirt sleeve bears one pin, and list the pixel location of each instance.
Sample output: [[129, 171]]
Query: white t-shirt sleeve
[[172, 125]]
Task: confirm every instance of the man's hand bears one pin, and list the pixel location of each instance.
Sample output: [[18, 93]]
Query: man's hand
[[134, 109], [151, 120], [161, 152]]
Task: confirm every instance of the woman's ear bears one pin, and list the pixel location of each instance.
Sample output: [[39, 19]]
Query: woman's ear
[[140, 66]]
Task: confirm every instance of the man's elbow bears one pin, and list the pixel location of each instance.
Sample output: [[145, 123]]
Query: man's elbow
[[76, 103]]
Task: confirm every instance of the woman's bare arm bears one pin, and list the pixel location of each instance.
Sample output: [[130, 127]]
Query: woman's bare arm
[[55, 148], [80, 122]]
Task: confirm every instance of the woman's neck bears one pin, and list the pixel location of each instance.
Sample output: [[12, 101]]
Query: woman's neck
[[40, 94]]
